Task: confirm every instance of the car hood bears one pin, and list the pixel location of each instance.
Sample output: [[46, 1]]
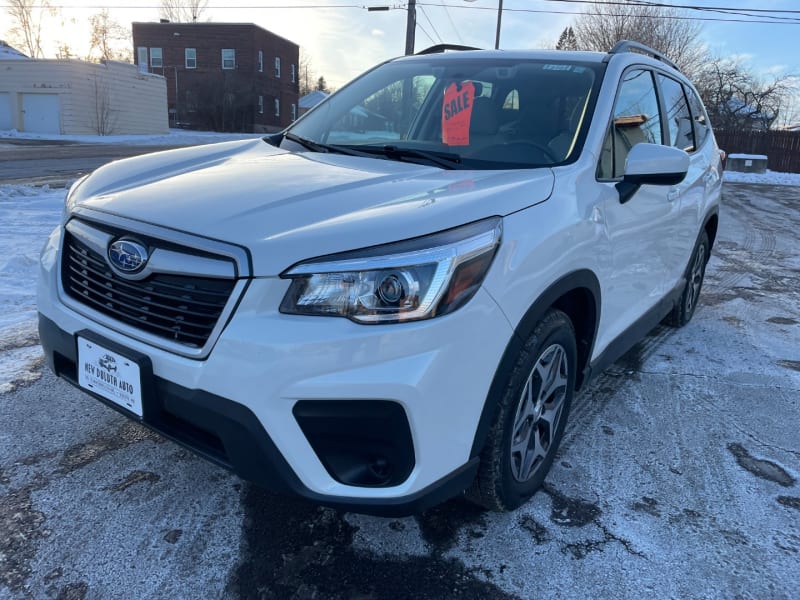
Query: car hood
[[287, 207]]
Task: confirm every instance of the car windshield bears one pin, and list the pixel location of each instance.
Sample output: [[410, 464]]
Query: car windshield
[[481, 113]]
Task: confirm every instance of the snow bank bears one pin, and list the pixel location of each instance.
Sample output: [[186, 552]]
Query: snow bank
[[768, 178], [28, 215]]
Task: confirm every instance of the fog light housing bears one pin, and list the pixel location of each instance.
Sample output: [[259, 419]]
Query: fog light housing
[[363, 443]]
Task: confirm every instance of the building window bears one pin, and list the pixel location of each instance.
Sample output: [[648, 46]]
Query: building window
[[228, 58], [141, 58], [294, 73], [191, 58], [277, 107], [261, 105], [155, 58], [278, 67], [294, 112], [260, 61]]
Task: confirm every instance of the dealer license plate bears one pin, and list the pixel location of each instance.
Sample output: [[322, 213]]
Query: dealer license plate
[[109, 375]]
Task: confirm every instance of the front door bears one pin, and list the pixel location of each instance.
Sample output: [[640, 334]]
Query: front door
[[642, 230]]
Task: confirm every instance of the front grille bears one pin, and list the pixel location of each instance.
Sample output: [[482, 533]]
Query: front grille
[[179, 308]]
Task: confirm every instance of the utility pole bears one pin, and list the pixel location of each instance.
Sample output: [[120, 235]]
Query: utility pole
[[411, 26], [499, 18]]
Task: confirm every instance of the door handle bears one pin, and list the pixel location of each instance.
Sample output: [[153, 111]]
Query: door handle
[[673, 195]]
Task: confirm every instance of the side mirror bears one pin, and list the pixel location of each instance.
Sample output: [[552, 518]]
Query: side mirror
[[652, 164]]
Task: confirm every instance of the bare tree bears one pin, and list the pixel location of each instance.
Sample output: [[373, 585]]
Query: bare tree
[[64, 50], [105, 32], [308, 79], [736, 98], [26, 30], [182, 11], [306, 75], [104, 119], [660, 28]]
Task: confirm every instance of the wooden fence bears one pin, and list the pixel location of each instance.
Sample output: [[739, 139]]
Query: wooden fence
[[782, 148]]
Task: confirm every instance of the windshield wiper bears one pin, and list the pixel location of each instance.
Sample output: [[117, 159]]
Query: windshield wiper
[[319, 147], [446, 160]]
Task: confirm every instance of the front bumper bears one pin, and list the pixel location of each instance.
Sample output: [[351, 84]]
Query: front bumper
[[239, 406], [231, 436]]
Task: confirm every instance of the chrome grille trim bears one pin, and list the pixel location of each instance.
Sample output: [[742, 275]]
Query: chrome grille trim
[[149, 310]]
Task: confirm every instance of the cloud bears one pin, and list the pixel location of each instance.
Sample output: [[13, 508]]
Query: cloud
[[377, 33]]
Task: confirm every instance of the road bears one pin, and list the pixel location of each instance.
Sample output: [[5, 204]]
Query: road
[[678, 477], [54, 163]]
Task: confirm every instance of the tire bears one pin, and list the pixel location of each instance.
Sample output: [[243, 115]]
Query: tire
[[530, 418], [682, 312]]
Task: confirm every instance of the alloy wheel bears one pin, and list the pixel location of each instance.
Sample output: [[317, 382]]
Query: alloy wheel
[[539, 412]]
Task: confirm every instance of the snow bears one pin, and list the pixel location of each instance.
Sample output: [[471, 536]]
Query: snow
[[175, 137], [311, 99], [768, 178], [748, 156], [9, 53], [29, 214]]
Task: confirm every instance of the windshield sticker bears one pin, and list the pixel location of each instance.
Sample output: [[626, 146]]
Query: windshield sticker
[[557, 68], [457, 113]]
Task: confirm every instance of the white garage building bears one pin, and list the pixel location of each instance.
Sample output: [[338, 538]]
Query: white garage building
[[75, 97]]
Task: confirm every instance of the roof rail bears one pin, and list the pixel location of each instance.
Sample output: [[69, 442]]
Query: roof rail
[[438, 48], [628, 45]]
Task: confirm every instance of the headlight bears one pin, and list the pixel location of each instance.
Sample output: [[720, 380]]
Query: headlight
[[405, 281]]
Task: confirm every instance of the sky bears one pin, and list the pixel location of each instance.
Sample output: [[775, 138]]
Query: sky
[[343, 38]]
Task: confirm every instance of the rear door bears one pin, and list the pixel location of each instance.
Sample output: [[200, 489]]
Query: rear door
[[691, 192]]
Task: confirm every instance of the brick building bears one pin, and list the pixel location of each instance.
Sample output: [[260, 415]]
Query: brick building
[[222, 76]]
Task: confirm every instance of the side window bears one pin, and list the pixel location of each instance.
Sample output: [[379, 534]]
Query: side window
[[678, 118], [701, 124], [636, 119]]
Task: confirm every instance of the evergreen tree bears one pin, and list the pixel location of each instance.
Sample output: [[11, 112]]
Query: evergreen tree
[[567, 40]]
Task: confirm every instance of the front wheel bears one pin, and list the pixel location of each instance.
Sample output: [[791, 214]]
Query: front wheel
[[531, 416], [695, 272]]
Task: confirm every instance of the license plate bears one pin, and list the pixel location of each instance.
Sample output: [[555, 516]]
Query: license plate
[[109, 375]]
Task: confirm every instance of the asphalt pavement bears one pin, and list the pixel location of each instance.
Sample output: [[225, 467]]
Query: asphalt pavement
[[678, 477]]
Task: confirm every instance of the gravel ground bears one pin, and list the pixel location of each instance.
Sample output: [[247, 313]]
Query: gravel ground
[[677, 478]]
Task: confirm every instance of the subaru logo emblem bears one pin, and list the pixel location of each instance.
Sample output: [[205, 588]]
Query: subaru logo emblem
[[127, 255]]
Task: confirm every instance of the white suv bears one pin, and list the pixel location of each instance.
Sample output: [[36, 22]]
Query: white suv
[[395, 299]]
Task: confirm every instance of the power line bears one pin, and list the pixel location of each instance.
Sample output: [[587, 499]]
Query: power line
[[578, 13], [427, 18], [757, 13], [452, 24], [211, 7], [682, 6], [433, 41]]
